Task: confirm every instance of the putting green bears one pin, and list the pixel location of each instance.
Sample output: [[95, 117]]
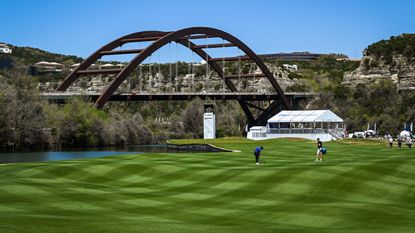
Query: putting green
[[361, 186]]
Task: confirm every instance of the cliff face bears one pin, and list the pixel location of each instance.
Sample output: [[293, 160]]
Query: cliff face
[[158, 82], [372, 69], [392, 59]]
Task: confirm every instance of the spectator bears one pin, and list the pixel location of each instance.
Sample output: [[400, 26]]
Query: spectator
[[390, 140]]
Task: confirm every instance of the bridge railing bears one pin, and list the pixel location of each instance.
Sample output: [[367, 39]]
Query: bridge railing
[[65, 93]]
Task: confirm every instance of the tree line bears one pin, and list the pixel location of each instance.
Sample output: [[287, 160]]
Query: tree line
[[378, 102], [28, 121]]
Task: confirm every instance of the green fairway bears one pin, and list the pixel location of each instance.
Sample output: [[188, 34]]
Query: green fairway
[[361, 186]]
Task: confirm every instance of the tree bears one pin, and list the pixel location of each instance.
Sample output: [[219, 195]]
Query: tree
[[82, 124], [230, 119], [124, 129], [25, 121], [193, 118], [4, 127]]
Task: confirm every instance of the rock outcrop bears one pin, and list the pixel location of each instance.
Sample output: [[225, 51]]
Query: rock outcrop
[[373, 69], [392, 59], [157, 82]]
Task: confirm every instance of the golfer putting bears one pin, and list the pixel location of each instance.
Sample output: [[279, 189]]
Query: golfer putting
[[257, 153]]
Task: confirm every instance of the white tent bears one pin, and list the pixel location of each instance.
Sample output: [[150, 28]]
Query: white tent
[[310, 124], [307, 116]]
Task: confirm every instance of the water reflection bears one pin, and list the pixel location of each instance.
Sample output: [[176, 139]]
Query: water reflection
[[18, 157]]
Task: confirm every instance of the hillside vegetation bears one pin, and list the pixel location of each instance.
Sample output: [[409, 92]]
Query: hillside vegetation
[[25, 56], [397, 45], [379, 90], [28, 121], [361, 103]]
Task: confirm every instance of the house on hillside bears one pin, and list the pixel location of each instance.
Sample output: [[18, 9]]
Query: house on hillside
[[45, 67], [291, 68], [49, 66], [308, 124], [5, 49]]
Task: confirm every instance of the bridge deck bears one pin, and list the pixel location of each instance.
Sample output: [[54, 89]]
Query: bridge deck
[[63, 96]]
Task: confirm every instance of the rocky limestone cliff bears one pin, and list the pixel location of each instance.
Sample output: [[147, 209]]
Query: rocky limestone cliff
[[392, 59], [373, 69], [157, 82]]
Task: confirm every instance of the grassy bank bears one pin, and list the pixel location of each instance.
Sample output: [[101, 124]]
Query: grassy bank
[[362, 186]]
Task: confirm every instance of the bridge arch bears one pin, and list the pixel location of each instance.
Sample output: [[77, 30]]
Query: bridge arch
[[182, 37]]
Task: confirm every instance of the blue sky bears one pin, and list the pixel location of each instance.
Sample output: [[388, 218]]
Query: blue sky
[[79, 27]]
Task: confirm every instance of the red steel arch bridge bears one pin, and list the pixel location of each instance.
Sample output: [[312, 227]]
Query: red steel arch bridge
[[276, 100]]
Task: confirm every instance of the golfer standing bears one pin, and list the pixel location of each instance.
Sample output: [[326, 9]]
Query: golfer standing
[[257, 153], [319, 155], [390, 140]]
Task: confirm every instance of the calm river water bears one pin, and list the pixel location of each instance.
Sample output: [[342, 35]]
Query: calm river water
[[40, 156]]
